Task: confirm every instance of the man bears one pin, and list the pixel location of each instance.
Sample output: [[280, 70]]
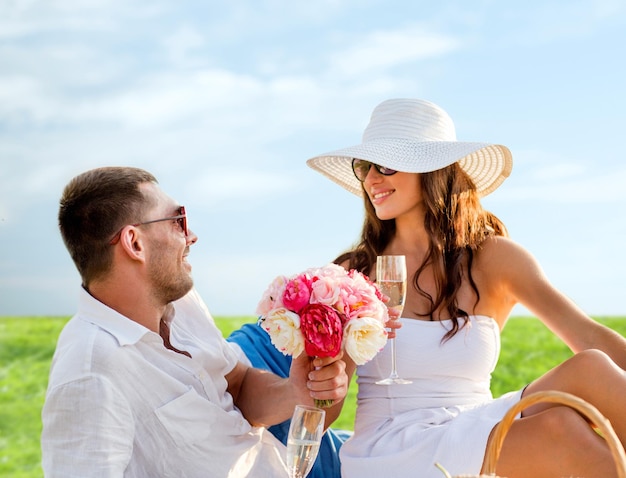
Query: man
[[142, 383]]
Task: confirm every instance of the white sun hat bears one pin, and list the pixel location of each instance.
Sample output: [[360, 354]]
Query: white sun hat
[[416, 136]]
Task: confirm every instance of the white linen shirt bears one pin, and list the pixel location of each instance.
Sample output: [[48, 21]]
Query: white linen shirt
[[119, 404]]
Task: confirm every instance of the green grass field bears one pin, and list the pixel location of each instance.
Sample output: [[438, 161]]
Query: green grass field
[[27, 345]]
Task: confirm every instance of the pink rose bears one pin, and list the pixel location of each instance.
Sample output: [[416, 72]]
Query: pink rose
[[297, 293], [365, 282], [356, 305], [272, 297], [325, 290], [362, 299], [329, 270], [322, 329]]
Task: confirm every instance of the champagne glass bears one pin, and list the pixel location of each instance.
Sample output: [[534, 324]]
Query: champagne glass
[[391, 280], [303, 442]]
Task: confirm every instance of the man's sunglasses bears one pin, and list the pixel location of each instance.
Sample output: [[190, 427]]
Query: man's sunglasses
[[181, 218], [360, 167]]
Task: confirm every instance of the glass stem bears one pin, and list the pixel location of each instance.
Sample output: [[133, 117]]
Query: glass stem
[[394, 371]]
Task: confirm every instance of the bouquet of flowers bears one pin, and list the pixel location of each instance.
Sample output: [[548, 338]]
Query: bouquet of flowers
[[322, 311]]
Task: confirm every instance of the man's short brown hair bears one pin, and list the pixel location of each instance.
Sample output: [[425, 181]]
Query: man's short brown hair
[[93, 207]]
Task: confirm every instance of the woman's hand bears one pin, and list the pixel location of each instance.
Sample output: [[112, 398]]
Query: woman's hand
[[393, 323]]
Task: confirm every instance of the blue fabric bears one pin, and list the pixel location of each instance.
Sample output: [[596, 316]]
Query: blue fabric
[[256, 344]]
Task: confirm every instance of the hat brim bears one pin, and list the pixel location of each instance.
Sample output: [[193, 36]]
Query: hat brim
[[487, 164]]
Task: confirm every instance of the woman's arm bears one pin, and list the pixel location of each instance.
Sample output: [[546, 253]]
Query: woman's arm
[[527, 284]]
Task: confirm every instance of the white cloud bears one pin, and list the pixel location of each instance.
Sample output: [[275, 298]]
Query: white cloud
[[544, 176], [23, 98], [559, 171], [211, 188], [22, 18], [567, 184], [385, 49], [553, 21], [167, 98], [182, 47]]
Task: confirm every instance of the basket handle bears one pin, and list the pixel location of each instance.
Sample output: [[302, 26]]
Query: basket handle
[[589, 411]]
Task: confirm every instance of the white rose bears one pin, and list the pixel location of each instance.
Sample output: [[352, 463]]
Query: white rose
[[283, 326], [363, 338]]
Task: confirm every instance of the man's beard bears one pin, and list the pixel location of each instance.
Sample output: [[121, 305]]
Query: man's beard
[[166, 287]]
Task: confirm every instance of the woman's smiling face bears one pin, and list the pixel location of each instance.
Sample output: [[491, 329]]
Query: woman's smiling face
[[395, 195]]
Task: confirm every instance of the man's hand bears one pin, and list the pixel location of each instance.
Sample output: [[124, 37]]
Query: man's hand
[[320, 378]]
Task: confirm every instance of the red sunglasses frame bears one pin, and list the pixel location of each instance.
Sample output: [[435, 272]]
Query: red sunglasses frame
[[181, 218]]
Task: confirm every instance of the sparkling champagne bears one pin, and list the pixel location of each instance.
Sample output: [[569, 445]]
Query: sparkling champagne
[[301, 455], [391, 278], [396, 291]]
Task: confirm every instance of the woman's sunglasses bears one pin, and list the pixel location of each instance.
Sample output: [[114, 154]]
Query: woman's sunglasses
[[360, 167]]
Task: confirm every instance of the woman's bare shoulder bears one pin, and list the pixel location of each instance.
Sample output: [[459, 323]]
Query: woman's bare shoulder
[[502, 261], [505, 251]]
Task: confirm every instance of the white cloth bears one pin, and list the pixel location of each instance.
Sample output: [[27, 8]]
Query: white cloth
[[446, 414], [119, 404]]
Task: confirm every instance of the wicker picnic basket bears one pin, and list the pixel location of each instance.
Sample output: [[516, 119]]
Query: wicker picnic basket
[[589, 411]]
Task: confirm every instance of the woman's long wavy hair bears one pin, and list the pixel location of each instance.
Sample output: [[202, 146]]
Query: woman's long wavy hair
[[456, 224]]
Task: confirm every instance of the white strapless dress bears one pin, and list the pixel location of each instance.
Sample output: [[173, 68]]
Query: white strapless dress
[[446, 414]]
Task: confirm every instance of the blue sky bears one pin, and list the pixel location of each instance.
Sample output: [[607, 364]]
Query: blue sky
[[224, 102]]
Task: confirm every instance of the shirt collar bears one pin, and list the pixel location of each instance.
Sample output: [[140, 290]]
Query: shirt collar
[[126, 331]]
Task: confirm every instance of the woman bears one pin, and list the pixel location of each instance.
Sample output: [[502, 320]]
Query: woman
[[422, 192]]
